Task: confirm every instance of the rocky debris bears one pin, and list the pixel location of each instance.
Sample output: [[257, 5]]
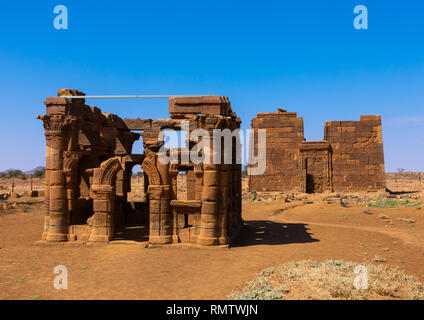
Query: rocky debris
[[27, 200], [4, 196], [406, 220], [69, 92], [15, 195], [268, 196], [31, 194], [5, 206]]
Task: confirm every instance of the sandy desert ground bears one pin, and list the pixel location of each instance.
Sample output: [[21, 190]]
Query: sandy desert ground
[[279, 228]]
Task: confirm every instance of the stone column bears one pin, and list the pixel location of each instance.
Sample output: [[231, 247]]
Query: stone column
[[56, 130], [160, 229], [46, 206], [209, 221], [209, 228], [237, 190], [173, 176], [123, 179], [231, 200], [58, 226], [70, 166], [198, 172], [223, 205], [101, 222]]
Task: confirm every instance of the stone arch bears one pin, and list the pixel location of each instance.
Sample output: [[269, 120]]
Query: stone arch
[[103, 194], [149, 167], [107, 172]]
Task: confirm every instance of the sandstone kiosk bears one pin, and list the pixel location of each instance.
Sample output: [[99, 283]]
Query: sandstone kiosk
[[89, 162], [350, 158]]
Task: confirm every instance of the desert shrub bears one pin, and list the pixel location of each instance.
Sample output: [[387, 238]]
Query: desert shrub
[[393, 203], [332, 279], [39, 173], [13, 174], [25, 208], [379, 259], [259, 289]]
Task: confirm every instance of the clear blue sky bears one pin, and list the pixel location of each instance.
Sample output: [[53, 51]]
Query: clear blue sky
[[302, 55]]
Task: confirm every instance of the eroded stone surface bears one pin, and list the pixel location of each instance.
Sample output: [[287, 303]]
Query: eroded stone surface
[[350, 158], [89, 164]]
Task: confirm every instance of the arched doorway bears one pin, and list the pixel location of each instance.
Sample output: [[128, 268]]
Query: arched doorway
[[135, 226]]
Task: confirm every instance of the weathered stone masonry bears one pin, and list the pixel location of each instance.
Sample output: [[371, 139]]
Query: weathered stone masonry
[[350, 158], [89, 162]]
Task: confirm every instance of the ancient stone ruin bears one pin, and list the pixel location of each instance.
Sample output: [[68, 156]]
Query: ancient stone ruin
[[89, 162], [350, 158]]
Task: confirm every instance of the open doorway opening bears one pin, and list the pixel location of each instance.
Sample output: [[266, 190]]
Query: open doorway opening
[[136, 224], [137, 192], [182, 185]]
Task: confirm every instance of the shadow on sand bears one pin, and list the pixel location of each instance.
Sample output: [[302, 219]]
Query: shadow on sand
[[401, 192], [137, 233], [257, 232]]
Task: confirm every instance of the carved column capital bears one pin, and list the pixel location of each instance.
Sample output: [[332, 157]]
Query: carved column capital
[[57, 125], [70, 161]]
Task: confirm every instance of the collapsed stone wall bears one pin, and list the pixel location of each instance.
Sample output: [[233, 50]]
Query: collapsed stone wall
[[284, 132], [350, 158], [358, 158]]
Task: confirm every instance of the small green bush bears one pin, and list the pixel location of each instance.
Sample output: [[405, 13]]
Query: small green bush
[[39, 173], [393, 203]]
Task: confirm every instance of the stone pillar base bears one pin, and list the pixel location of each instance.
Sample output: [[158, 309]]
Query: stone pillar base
[[98, 238], [160, 239], [56, 237], [207, 241]]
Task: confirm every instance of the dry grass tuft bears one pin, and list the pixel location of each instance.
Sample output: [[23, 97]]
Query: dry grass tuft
[[332, 279]]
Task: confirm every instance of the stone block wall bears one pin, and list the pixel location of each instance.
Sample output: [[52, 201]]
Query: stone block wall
[[358, 158], [284, 132], [350, 158]]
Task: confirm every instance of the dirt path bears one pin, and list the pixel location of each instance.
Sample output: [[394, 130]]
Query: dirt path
[[405, 236]]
